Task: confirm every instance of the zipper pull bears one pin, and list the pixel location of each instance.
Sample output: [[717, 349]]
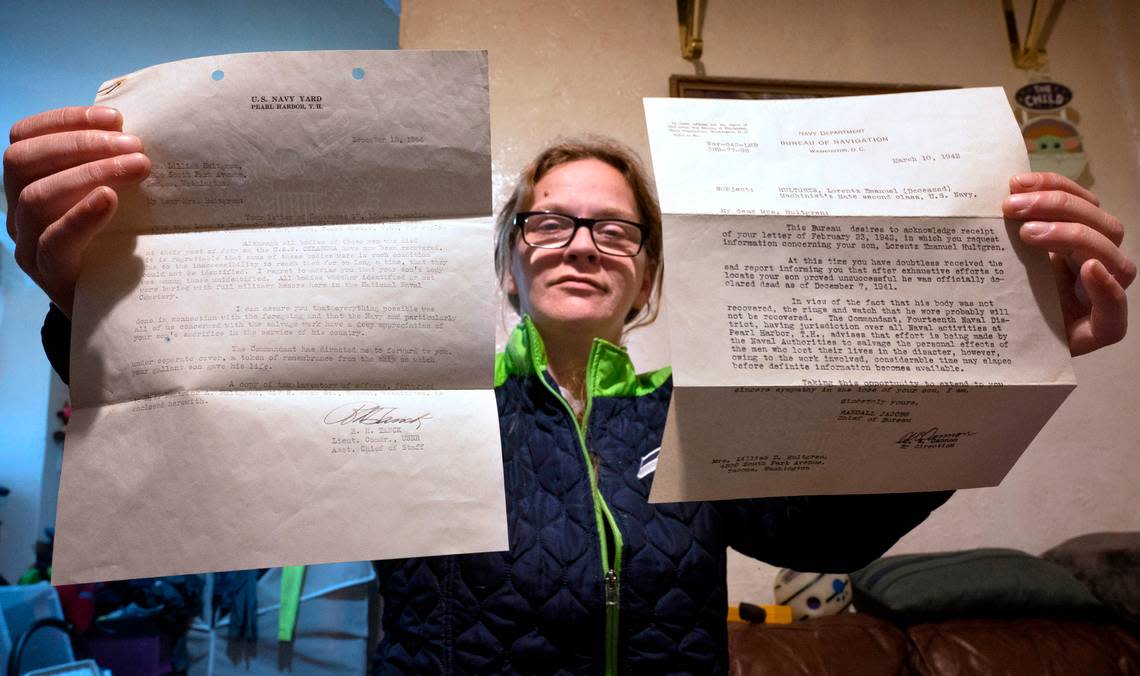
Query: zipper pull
[[611, 588]]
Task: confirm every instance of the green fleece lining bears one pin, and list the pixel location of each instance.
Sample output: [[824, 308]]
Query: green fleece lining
[[610, 371]]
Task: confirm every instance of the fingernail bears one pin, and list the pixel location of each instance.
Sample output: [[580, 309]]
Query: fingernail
[[122, 144], [98, 200], [1026, 180], [1035, 229], [102, 116], [131, 164], [1020, 202]]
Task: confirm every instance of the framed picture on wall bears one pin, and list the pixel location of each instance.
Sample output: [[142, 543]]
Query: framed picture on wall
[[697, 87]]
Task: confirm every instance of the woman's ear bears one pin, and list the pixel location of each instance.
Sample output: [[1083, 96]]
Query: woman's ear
[[508, 283]]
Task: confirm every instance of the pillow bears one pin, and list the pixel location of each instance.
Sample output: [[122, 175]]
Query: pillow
[[974, 583], [1108, 564]]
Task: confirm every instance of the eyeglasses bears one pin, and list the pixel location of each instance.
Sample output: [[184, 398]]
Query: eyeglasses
[[613, 236]]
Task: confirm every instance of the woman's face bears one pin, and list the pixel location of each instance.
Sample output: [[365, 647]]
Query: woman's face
[[578, 288]]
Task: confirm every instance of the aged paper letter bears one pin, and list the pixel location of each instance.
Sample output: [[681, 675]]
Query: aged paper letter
[[854, 315], [281, 348]]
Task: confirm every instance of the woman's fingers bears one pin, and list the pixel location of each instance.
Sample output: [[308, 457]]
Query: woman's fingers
[[59, 250], [1084, 244], [55, 141], [1107, 319], [1058, 205], [48, 198], [1080, 243], [32, 159], [60, 176], [45, 201], [1033, 182], [72, 118]]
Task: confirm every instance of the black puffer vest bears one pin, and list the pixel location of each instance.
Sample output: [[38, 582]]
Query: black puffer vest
[[597, 580]]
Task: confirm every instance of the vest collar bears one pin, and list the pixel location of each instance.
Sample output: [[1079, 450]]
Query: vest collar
[[609, 371]]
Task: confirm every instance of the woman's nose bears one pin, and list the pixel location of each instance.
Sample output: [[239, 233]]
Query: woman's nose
[[582, 244]]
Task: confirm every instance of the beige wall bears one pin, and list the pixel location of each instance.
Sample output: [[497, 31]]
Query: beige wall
[[560, 68]]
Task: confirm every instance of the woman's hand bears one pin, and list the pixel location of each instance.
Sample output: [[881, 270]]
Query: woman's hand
[[60, 177], [1083, 242]]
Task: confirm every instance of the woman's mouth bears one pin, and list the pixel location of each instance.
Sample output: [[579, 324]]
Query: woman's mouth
[[575, 282]]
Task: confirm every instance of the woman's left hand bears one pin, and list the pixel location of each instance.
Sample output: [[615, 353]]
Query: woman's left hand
[[1083, 242]]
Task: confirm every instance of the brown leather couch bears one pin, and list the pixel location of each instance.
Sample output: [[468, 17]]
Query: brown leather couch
[[853, 644]]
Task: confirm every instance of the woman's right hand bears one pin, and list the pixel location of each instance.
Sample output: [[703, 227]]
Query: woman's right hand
[[60, 175]]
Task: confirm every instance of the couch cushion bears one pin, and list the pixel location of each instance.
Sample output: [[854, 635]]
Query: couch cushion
[[1109, 564], [1029, 647], [848, 644], [973, 583]]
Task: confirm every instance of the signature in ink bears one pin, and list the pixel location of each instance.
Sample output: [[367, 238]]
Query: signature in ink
[[932, 438], [367, 413]]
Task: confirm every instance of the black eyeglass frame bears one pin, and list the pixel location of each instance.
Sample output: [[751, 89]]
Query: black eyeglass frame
[[579, 222]]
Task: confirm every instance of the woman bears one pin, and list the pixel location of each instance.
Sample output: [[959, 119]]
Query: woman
[[595, 578]]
